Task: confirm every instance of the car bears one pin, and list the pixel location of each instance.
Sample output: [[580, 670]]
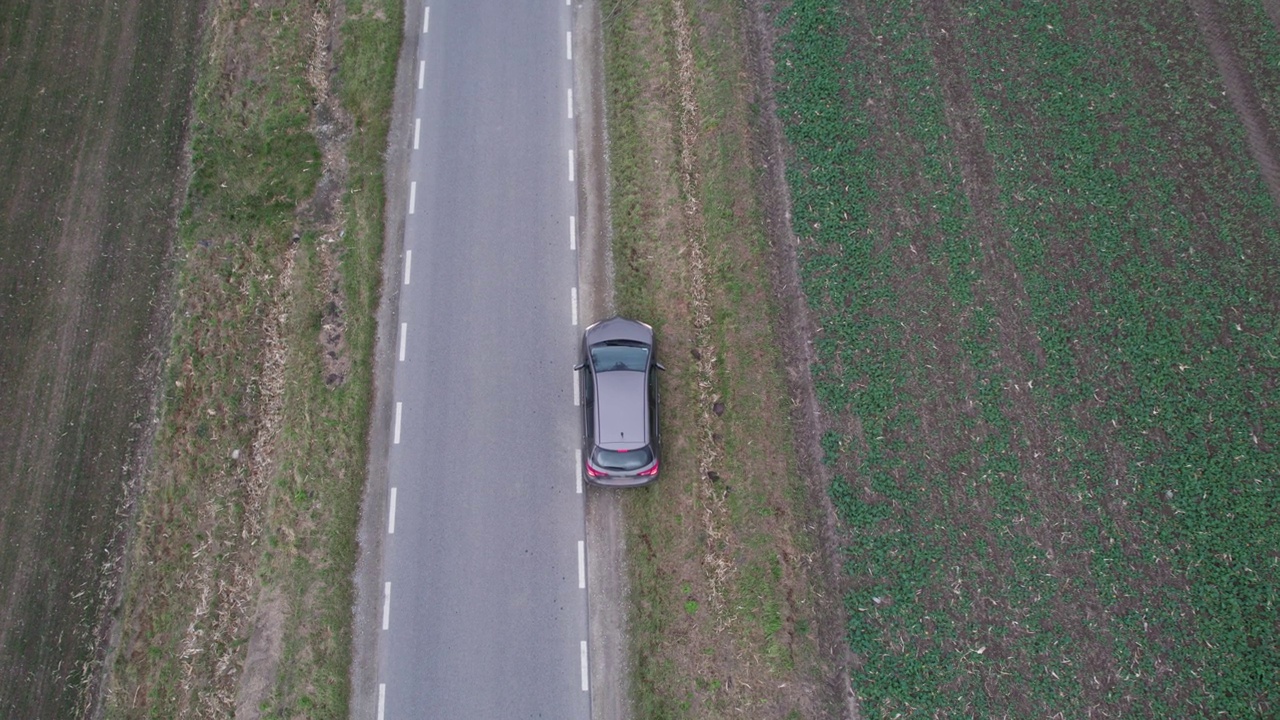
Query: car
[[619, 389]]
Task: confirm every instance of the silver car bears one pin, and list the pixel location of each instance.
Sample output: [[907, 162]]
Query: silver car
[[619, 403]]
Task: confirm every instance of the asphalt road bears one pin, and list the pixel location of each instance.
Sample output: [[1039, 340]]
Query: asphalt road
[[484, 610]]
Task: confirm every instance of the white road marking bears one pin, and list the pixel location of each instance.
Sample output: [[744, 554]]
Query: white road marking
[[570, 103], [417, 130], [582, 564], [397, 438], [391, 520], [568, 41], [413, 195], [577, 391], [382, 699], [573, 233], [408, 264], [404, 330], [386, 606], [570, 166], [426, 19], [422, 72], [573, 300], [584, 666], [577, 467]]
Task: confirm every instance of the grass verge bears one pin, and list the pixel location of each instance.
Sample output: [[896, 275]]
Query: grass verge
[[238, 596], [724, 569]]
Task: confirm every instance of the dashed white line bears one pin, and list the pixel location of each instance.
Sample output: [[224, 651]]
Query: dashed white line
[[577, 467], [584, 666], [570, 103], [568, 42], [422, 72], [397, 437], [404, 331], [391, 514], [408, 264], [577, 391], [413, 195], [573, 300], [570, 166], [426, 18], [417, 131], [582, 564], [573, 233], [382, 699], [386, 605]]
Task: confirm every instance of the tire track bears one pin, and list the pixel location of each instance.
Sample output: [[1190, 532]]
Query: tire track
[[1259, 135]]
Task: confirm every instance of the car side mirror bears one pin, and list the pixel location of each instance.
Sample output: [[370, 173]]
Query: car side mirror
[[660, 366], [579, 366]]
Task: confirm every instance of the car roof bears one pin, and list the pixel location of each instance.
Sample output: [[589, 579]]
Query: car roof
[[619, 328], [621, 409]]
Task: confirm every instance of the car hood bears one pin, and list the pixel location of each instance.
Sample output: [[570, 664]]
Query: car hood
[[618, 328]]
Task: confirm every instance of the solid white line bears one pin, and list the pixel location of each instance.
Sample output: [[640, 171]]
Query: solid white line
[[386, 606], [577, 467], [570, 103], [568, 40], [577, 391], [382, 699], [570, 166], [574, 301], [426, 19], [413, 195], [422, 72], [573, 233], [417, 130], [408, 263], [582, 564], [584, 666], [391, 520], [397, 438]]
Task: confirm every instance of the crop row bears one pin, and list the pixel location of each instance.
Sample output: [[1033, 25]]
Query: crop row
[[1143, 238]]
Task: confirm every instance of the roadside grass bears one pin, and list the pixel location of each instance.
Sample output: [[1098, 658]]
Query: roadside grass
[[723, 566], [1054, 465], [246, 525]]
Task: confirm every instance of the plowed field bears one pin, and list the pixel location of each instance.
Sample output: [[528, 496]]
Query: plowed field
[[95, 100]]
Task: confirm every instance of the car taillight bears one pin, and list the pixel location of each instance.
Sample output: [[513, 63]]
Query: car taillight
[[650, 472], [592, 471]]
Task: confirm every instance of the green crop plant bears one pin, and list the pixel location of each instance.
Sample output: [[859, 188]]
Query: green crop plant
[[1144, 242]]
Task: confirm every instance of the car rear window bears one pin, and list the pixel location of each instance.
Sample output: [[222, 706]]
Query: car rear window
[[624, 460], [605, 358]]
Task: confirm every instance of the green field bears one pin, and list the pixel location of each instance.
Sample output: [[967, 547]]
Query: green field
[[1043, 260]]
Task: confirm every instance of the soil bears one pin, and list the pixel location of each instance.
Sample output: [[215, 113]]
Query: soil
[[92, 127]]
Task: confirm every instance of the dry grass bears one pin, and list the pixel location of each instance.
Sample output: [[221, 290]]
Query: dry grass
[[725, 601], [244, 544]]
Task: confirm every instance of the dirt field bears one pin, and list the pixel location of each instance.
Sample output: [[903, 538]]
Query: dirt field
[[1041, 242], [91, 129]]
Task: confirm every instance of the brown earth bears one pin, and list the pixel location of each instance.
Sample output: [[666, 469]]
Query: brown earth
[[91, 134]]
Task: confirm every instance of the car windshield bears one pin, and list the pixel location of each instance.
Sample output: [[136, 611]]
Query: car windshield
[[624, 460], [617, 356]]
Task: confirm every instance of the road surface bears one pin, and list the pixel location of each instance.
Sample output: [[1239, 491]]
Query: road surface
[[483, 610]]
